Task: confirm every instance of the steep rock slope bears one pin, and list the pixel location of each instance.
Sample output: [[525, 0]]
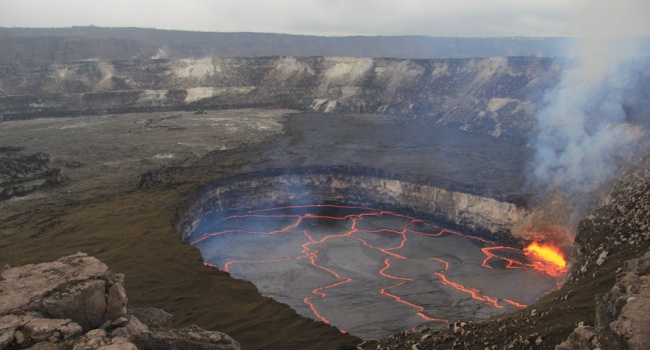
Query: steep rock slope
[[485, 95], [353, 186]]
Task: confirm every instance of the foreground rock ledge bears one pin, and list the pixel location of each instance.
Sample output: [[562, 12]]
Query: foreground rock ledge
[[77, 303]]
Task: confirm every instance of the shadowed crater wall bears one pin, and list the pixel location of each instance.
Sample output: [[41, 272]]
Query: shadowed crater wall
[[364, 250], [453, 204]]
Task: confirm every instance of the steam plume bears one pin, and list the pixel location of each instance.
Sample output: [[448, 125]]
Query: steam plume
[[581, 127]]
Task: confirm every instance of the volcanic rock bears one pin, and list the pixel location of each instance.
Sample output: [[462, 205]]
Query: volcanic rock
[[446, 201], [72, 287], [43, 329], [482, 95], [602, 258], [614, 232], [76, 303], [582, 338], [629, 304], [22, 174], [190, 338], [152, 317], [623, 311]]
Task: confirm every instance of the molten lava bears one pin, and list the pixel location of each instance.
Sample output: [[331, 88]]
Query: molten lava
[[362, 228], [546, 258]]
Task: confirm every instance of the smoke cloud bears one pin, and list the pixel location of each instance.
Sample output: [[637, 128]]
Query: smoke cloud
[[581, 128]]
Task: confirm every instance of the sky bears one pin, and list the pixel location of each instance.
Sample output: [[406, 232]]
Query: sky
[[462, 18]]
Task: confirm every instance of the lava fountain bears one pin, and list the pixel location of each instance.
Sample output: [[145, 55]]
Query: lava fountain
[[547, 257], [368, 270]]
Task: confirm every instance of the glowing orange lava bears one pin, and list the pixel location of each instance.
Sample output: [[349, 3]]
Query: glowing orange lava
[[546, 258], [542, 257]]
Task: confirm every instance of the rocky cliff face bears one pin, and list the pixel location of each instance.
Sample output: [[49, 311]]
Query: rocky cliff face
[[76, 303], [485, 95], [358, 187], [617, 235], [496, 96]]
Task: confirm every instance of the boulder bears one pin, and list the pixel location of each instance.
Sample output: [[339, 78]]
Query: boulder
[[76, 287], [43, 329], [187, 338], [117, 300], [9, 325], [76, 303], [33, 331], [152, 317], [100, 339], [84, 302]]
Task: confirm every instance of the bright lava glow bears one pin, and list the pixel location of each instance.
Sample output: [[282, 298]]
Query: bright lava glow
[[385, 270], [547, 258]]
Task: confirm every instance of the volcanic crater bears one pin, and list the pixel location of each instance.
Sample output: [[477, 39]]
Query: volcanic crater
[[361, 249], [407, 187]]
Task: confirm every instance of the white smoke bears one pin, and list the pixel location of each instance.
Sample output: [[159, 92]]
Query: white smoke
[[581, 127], [163, 53]]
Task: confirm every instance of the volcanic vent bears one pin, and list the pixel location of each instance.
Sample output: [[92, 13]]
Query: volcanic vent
[[363, 250]]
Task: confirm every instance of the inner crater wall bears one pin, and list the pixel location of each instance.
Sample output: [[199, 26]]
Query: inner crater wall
[[471, 211]]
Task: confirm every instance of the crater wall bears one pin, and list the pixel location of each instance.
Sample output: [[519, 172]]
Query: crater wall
[[253, 191], [487, 95]]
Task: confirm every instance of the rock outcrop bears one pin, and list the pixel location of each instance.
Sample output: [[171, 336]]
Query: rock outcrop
[[76, 303], [22, 174], [621, 224], [582, 338], [623, 314], [628, 304]]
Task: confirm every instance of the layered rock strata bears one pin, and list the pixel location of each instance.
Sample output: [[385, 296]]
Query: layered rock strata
[[352, 186], [487, 95]]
